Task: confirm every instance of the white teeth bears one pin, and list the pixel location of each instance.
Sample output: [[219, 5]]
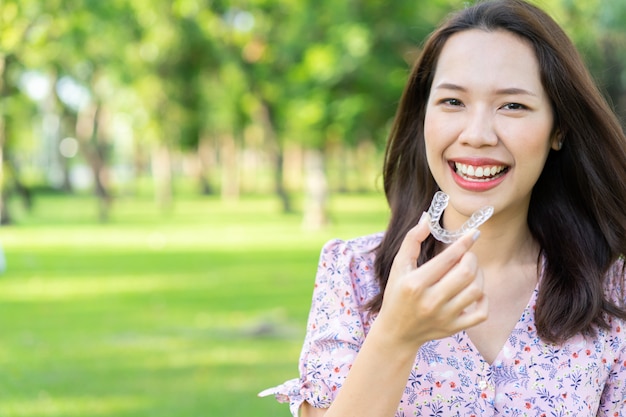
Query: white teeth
[[478, 171]]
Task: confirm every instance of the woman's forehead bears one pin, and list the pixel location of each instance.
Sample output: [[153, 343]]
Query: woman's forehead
[[499, 60]]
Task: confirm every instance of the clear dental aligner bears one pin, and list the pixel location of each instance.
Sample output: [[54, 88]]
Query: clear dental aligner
[[439, 204]]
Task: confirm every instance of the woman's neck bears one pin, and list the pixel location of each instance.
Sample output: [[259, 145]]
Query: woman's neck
[[506, 242]]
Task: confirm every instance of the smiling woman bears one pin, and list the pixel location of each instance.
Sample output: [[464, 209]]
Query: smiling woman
[[499, 111], [487, 110]]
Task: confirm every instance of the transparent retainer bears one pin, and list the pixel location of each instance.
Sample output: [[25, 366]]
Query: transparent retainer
[[439, 204]]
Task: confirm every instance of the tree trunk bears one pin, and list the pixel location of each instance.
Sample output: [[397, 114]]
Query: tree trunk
[[206, 161], [229, 159], [4, 217], [293, 167], [162, 176], [102, 193], [316, 192], [344, 159], [277, 154], [279, 181], [19, 187], [95, 150], [67, 124]]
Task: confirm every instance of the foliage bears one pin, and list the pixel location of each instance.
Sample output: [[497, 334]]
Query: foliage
[[132, 78]]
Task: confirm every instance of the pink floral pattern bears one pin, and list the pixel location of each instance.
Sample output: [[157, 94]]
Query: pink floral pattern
[[582, 377]]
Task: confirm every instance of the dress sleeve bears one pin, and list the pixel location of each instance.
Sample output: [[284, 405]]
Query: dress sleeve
[[336, 327], [613, 400]]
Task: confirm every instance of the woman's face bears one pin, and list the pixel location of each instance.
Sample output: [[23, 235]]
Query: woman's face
[[488, 124]]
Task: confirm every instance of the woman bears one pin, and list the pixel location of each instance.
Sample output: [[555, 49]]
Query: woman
[[523, 318]]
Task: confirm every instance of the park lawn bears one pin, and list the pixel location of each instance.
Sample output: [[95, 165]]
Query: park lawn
[[189, 313]]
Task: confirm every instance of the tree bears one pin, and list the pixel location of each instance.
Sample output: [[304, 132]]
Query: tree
[[192, 78], [20, 28]]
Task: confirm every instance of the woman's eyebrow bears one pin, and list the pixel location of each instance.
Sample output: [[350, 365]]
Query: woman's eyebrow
[[514, 91], [500, 92], [450, 86]]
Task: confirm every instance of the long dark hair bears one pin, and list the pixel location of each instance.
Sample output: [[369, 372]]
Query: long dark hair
[[578, 206]]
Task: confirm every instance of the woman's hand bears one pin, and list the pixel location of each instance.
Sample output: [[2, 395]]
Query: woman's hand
[[436, 300]]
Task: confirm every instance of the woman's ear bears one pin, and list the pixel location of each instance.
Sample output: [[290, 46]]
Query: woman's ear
[[557, 140]]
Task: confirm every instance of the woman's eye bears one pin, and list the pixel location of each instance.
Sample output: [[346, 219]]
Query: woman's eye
[[514, 106], [452, 102]]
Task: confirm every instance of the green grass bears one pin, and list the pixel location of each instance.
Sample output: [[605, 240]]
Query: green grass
[[179, 315]]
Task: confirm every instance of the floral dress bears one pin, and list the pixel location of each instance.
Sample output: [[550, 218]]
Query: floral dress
[[582, 377]]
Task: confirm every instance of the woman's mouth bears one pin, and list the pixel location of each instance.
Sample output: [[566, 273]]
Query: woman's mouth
[[479, 173]]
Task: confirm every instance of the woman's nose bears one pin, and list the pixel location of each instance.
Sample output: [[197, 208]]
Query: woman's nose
[[478, 129]]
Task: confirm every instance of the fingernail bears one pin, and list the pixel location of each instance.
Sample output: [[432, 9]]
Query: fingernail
[[475, 234], [423, 218]]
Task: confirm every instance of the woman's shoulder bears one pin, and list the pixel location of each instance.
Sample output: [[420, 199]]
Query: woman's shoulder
[[358, 246], [349, 264]]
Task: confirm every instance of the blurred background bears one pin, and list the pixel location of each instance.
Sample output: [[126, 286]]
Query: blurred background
[[170, 171]]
